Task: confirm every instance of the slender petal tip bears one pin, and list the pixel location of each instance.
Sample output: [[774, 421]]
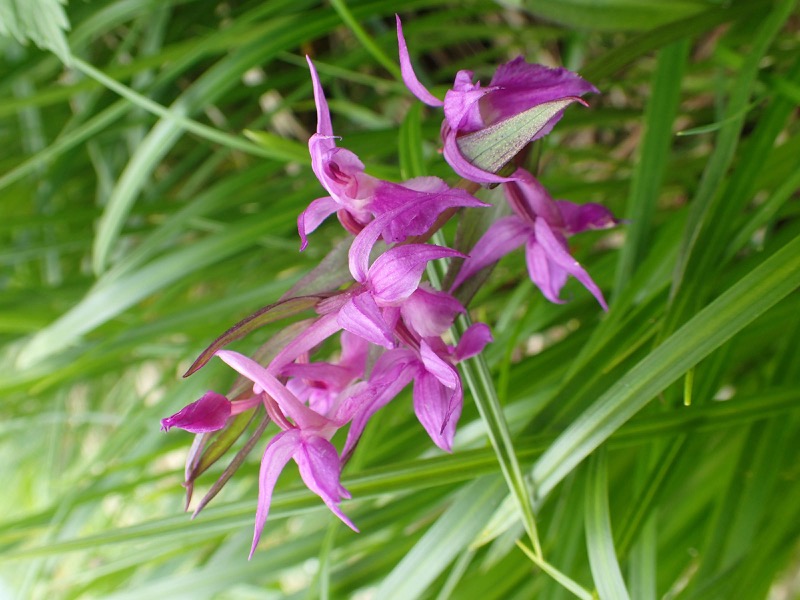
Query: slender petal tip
[[409, 76]]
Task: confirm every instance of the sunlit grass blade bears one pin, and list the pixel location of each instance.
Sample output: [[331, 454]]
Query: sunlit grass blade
[[652, 162], [724, 150], [444, 540], [599, 540], [738, 306]]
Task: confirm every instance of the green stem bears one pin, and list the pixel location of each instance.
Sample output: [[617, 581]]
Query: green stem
[[478, 380]]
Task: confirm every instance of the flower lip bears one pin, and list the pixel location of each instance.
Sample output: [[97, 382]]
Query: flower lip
[[209, 413]]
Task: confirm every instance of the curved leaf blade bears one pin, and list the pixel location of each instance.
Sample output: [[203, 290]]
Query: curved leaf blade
[[755, 293]]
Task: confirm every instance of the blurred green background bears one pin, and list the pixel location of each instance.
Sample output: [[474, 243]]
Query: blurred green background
[[152, 168]]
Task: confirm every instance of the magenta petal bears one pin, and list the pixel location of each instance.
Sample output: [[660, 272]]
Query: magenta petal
[[396, 273], [437, 409], [320, 147], [355, 351], [324, 126], [582, 217], [503, 236], [362, 316], [557, 252], [319, 210], [430, 312], [209, 413], [278, 452], [439, 368], [319, 331], [409, 77], [521, 85], [361, 248], [427, 184], [348, 402], [320, 469], [448, 377], [530, 200], [415, 205], [303, 416], [473, 341], [341, 173], [393, 371], [545, 274], [332, 376], [401, 211], [461, 107]]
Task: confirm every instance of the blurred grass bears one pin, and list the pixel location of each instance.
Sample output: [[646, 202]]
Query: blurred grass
[[149, 194]]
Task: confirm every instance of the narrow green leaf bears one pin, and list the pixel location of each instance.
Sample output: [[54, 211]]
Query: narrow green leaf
[[420, 474], [107, 300], [686, 28], [376, 51], [283, 309], [234, 465], [612, 15], [557, 575], [276, 147], [68, 141], [606, 571], [214, 83], [412, 162], [479, 382], [720, 160], [646, 500], [652, 162], [737, 307], [444, 540]]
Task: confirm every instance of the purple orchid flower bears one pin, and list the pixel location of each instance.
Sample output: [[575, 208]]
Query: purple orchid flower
[[321, 384], [339, 171], [411, 208], [306, 439], [536, 93], [428, 312], [372, 309], [438, 395], [357, 197], [542, 225]]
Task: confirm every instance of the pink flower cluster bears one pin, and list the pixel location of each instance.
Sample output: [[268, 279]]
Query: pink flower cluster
[[389, 321]]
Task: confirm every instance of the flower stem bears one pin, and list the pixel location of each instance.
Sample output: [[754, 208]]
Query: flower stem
[[478, 380]]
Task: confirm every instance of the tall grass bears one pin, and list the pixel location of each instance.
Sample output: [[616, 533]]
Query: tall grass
[[153, 166]]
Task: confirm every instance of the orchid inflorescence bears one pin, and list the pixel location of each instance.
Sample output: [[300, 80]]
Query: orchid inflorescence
[[391, 324]]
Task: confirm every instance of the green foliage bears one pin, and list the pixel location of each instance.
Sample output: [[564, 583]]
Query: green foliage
[[41, 21], [149, 189]]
